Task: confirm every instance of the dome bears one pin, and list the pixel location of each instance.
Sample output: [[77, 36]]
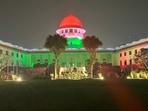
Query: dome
[[70, 21]]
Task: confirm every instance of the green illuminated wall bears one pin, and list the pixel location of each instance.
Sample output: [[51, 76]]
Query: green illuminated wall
[[12, 58], [74, 43], [104, 57], [68, 57], [28, 59], [41, 57]]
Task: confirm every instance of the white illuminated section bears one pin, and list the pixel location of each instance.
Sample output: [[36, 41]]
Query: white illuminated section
[[132, 44], [13, 46], [71, 32]]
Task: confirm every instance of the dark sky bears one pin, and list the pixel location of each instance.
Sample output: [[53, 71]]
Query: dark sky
[[27, 23]]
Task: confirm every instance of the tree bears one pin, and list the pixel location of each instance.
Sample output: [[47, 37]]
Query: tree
[[91, 43], [142, 58], [56, 44], [5, 61]]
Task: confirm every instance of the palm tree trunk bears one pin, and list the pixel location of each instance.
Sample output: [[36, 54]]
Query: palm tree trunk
[[92, 58], [91, 73], [55, 68]]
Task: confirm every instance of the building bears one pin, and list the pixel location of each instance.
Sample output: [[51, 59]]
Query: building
[[15, 58]]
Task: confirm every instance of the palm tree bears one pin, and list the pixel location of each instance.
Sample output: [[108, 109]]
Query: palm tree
[[56, 44], [91, 43]]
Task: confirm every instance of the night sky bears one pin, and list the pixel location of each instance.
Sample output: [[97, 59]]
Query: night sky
[[27, 23]]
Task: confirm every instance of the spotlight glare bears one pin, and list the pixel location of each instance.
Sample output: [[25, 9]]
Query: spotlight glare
[[19, 79], [128, 77], [102, 78]]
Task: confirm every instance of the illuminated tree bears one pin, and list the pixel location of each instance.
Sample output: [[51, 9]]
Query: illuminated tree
[[56, 44], [91, 44], [142, 57], [4, 62]]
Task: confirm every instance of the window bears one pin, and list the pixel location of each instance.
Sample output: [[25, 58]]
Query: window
[[120, 54], [21, 55], [12, 54], [125, 63], [70, 30], [136, 51], [7, 53], [104, 60], [66, 31], [130, 61], [124, 53], [120, 63], [75, 30], [130, 52], [1, 51], [17, 55]]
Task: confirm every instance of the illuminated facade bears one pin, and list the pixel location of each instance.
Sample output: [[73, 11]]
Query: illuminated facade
[[71, 27]]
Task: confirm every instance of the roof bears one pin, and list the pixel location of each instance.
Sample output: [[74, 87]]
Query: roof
[[71, 21]]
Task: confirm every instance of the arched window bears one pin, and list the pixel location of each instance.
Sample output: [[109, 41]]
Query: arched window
[[66, 31], [75, 30], [125, 62], [120, 54], [130, 61], [124, 53], [70, 30], [120, 63]]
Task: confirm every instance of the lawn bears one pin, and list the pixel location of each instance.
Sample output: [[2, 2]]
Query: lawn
[[66, 95]]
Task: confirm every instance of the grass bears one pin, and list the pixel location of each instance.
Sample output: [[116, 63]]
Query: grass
[[65, 95]]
